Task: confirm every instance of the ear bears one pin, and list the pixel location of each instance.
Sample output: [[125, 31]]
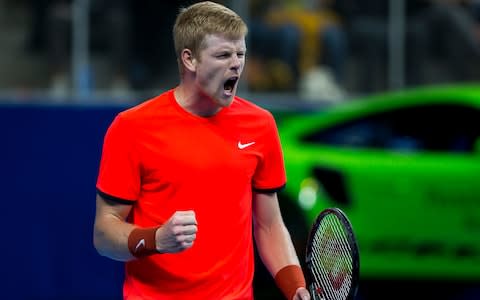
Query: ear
[[188, 60]]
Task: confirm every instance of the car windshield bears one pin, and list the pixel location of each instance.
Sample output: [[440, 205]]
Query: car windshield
[[439, 128]]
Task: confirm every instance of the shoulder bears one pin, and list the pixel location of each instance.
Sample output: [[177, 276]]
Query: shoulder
[[150, 108], [246, 116], [248, 107]]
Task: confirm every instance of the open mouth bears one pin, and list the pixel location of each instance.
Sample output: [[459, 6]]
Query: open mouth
[[229, 85]]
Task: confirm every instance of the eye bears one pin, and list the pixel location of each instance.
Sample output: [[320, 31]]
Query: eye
[[223, 55]]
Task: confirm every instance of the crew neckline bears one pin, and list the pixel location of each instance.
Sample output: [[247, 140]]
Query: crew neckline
[[188, 114]]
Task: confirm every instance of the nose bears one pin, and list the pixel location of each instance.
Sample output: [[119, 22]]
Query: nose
[[237, 62]]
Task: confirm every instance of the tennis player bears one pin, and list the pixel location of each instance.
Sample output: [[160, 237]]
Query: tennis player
[[185, 176]]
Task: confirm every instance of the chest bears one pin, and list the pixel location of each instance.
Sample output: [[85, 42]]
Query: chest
[[188, 151]]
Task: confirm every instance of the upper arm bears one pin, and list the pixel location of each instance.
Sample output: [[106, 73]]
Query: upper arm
[[110, 209], [266, 210]]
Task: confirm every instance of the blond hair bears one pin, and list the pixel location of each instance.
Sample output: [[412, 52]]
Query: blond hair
[[197, 21]]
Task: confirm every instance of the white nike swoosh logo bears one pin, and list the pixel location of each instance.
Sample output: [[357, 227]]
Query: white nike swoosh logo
[[243, 146], [141, 243]]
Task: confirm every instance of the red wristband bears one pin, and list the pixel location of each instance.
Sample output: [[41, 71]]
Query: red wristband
[[289, 279], [141, 242]]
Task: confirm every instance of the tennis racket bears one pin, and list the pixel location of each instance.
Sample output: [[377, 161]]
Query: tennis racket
[[332, 258]]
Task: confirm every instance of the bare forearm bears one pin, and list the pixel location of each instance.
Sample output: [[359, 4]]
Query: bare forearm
[[111, 238], [275, 247]]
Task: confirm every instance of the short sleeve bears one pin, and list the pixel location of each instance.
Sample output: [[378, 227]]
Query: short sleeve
[[270, 173], [119, 172]]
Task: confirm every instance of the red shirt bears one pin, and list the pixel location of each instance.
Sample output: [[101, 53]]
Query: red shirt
[[161, 159]]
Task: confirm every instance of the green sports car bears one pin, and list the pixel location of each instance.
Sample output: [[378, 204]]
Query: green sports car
[[405, 167]]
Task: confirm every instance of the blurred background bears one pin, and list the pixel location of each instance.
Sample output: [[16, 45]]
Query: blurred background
[[102, 50], [67, 67]]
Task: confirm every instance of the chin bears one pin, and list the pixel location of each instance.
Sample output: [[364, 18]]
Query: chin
[[225, 100]]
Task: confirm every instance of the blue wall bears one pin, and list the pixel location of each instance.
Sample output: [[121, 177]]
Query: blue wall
[[49, 159]]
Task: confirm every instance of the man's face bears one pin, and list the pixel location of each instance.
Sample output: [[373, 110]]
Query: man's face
[[219, 66]]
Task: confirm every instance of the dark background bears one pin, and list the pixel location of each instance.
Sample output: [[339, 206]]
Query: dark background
[[49, 160]]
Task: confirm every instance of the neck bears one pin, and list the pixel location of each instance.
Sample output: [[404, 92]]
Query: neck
[[195, 101]]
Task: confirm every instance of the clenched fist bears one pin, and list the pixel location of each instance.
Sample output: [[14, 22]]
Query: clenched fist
[[178, 233]]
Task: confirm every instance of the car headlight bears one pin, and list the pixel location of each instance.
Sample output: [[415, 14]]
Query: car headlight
[[308, 193]]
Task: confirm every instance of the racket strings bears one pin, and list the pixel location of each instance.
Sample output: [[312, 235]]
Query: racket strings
[[331, 260]]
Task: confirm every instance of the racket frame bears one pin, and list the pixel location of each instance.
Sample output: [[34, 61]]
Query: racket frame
[[352, 241]]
